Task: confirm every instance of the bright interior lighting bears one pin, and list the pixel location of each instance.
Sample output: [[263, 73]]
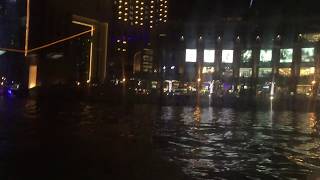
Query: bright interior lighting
[[209, 56], [227, 56], [191, 55]]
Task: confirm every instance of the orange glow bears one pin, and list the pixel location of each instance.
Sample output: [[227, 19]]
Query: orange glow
[[33, 69], [59, 41], [27, 29]]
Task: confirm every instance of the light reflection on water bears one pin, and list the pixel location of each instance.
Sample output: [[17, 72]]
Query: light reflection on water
[[206, 142], [211, 143]]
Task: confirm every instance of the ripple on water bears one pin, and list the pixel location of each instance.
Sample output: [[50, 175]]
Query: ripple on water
[[220, 143]]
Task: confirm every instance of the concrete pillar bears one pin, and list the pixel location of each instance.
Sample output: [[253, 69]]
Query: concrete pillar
[[236, 63], [255, 66], [317, 73], [295, 68], [200, 59]]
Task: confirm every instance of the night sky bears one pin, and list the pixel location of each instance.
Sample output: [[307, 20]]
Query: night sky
[[205, 10]]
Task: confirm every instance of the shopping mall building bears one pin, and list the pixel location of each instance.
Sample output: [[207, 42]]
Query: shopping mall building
[[242, 55]]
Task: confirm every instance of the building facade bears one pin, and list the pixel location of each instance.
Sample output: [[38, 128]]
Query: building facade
[[283, 60]]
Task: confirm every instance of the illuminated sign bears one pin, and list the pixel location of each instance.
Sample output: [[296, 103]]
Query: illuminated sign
[[266, 55], [307, 54], [246, 56], [191, 55], [209, 56], [227, 56], [286, 55]]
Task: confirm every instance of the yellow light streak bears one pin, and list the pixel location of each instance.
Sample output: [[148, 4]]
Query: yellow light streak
[[26, 47], [59, 41], [12, 50]]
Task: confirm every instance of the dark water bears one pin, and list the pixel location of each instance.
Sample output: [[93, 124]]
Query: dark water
[[61, 139], [209, 143]]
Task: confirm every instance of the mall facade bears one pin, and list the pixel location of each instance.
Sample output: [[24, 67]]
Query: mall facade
[[281, 63]]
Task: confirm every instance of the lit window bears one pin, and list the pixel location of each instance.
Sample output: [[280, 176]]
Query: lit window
[[307, 71], [191, 55], [209, 56], [266, 55], [208, 70], [245, 72], [286, 55], [307, 55], [246, 56], [265, 72], [227, 56], [285, 72]]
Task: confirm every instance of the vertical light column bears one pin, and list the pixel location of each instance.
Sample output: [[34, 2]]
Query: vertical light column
[[26, 47], [141, 14], [33, 70], [151, 14], [165, 11], [136, 12], [161, 11]]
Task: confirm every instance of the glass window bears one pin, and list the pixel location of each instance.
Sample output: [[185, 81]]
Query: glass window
[[191, 55], [246, 56], [307, 55], [307, 71], [286, 55], [208, 70], [227, 56], [209, 56], [265, 72], [266, 55], [245, 72], [285, 72]]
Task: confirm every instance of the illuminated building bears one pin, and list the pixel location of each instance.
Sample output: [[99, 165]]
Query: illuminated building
[[243, 59], [147, 13]]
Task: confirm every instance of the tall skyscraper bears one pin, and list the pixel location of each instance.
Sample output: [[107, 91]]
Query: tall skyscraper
[[147, 13]]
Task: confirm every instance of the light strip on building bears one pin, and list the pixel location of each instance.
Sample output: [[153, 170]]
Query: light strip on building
[[26, 45], [12, 50], [59, 41], [91, 47]]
